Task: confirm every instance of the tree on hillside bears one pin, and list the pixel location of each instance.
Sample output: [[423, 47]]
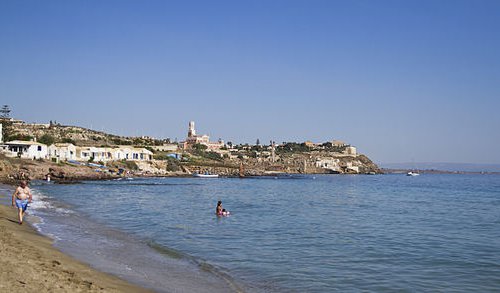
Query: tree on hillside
[[6, 123], [5, 112], [200, 147], [68, 140], [47, 139]]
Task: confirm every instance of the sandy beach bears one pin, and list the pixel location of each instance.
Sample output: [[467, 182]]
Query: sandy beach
[[29, 263]]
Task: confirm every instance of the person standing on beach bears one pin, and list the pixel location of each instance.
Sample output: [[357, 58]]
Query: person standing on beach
[[21, 197]]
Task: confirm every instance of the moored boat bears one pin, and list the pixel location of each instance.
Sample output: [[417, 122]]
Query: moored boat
[[205, 175], [411, 173]]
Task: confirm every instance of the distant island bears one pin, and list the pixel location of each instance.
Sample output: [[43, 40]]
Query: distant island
[[38, 150]]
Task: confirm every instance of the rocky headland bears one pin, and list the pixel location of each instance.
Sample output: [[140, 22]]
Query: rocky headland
[[240, 160]]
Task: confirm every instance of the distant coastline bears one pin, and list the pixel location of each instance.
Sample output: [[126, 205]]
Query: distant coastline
[[434, 171], [443, 167]]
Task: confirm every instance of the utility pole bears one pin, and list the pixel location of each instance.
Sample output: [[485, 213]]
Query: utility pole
[[273, 152]]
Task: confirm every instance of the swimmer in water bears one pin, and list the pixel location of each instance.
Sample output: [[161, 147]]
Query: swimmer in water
[[21, 197], [219, 209]]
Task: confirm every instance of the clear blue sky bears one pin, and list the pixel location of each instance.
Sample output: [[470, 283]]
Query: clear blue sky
[[401, 80]]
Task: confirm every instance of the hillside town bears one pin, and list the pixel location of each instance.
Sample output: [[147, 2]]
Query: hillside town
[[71, 145]]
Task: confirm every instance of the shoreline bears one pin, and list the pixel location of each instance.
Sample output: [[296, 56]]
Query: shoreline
[[34, 264], [110, 271], [14, 169]]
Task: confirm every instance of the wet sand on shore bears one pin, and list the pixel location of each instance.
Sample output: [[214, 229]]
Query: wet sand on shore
[[29, 263]]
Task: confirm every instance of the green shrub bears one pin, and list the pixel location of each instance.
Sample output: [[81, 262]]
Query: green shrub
[[68, 140], [18, 136], [47, 139]]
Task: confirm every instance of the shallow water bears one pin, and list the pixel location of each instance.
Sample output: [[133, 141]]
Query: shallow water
[[289, 234]]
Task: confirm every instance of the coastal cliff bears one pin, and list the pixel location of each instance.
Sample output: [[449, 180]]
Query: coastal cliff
[[304, 163], [14, 169]]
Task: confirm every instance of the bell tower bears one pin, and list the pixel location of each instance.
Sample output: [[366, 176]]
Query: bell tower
[[191, 131]]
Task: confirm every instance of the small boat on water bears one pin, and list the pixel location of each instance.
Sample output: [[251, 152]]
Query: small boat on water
[[411, 173], [205, 175]]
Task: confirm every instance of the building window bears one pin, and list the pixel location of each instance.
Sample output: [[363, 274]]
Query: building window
[[39, 148]]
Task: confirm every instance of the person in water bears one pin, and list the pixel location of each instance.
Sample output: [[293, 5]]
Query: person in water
[[21, 197], [220, 211]]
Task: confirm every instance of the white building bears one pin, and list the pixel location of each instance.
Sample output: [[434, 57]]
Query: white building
[[1, 133], [62, 151], [338, 143], [97, 154], [26, 149], [102, 154], [193, 139], [133, 154], [328, 163], [350, 167], [350, 150], [171, 147]]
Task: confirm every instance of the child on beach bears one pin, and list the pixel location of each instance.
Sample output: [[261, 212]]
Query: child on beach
[[21, 197]]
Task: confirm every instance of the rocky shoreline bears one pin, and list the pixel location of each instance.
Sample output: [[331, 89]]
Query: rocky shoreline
[[14, 169]]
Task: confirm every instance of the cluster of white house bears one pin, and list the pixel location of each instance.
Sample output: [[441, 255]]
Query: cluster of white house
[[68, 151]]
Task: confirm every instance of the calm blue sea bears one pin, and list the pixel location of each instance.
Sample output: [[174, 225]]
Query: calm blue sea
[[327, 233]]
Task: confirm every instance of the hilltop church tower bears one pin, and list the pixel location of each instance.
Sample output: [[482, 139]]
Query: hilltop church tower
[[193, 139], [191, 131], [1, 133]]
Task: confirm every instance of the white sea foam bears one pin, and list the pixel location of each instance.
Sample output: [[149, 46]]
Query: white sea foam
[[41, 201]]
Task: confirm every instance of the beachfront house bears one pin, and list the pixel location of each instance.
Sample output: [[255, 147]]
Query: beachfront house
[[106, 154], [132, 154], [328, 163], [351, 168], [83, 154], [26, 149], [62, 151], [96, 154]]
